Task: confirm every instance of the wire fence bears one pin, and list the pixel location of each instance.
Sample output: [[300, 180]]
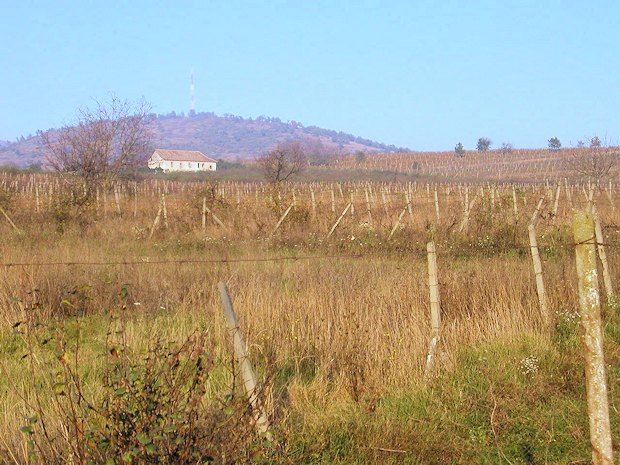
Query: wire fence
[[441, 250]]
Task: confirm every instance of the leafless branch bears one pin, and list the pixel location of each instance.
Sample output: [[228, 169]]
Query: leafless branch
[[283, 162], [595, 162], [105, 141]]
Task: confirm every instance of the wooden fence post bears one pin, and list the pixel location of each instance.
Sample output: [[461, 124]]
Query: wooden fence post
[[589, 302], [514, 202], [600, 242], [164, 209], [313, 203], [433, 286], [36, 196], [556, 202], [135, 201], [535, 214], [117, 201], [408, 200], [204, 213], [465, 220], [243, 360], [344, 212], [540, 285], [400, 217], [368, 209], [215, 218], [156, 221], [8, 218], [282, 218]]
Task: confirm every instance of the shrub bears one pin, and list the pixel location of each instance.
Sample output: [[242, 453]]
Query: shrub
[[151, 407]]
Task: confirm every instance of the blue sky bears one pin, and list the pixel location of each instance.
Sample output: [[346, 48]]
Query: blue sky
[[419, 74]]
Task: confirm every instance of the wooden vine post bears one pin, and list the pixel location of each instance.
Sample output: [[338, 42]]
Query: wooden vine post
[[313, 203], [156, 221], [368, 209], [204, 213], [214, 216], [600, 243], [282, 218], [164, 210], [433, 286], [344, 212], [8, 218], [589, 302], [538, 273], [514, 202], [400, 217], [243, 362]]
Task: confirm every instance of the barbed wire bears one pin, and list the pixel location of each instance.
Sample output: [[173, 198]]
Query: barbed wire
[[177, 261], [440, 250]]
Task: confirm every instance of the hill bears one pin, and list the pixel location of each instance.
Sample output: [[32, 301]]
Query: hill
[[227, 137]]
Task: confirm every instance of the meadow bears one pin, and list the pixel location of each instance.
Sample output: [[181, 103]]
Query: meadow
[[114, 347]]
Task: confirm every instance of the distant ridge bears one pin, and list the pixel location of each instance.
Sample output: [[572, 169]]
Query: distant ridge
[[227, 137]]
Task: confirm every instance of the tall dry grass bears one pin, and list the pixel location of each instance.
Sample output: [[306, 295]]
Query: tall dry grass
[[338, 330]]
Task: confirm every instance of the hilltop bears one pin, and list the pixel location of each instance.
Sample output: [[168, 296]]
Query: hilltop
[[226, 137]]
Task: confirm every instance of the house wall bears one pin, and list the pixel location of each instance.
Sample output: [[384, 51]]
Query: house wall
[[192, 166]]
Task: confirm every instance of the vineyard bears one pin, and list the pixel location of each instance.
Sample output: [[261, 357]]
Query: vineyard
[[368, 322], [523, 165]]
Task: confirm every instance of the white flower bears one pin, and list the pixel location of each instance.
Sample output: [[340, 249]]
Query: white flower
[[529, 365]]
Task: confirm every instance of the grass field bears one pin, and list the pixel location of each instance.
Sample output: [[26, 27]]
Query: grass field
[[114, 348]]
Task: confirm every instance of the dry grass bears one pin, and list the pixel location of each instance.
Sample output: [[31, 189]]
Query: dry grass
[[336, 333]]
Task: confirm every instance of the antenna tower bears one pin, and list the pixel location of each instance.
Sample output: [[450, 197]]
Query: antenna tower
[[192, 102]]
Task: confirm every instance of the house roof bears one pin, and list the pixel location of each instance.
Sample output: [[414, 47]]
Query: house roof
[[183, 155]]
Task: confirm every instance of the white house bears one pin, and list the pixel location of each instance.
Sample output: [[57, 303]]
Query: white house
[[181, 160]]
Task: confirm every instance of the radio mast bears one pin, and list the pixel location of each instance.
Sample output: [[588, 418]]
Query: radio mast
[[192, 97]]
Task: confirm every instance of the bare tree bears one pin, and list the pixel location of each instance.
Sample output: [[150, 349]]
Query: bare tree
[[506, 148], [596, 162], [283, 162], [104, 142]]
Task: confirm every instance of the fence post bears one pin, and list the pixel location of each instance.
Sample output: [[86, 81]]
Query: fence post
[[433, 286], [282, 218], [36, 194], [215, 218], [557, 201], [164, 209], [117, 201], [540, 285], [313, 203], [135, 201], [8, 218], [344, 212], [241, 356], [589, 302], [514, 202], [536, 210], [368, 210], [465, 220], [156, 221], [204, 213], [600, 241], [400, 217]]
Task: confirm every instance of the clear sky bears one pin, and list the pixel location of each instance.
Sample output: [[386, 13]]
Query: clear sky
[[424, 75]]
